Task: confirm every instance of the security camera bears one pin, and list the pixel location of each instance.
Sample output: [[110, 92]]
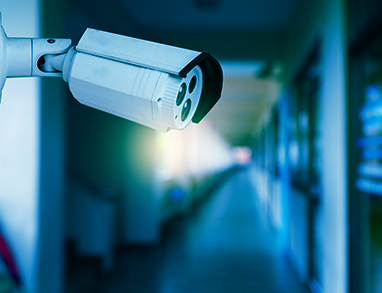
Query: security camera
[[156, 85]]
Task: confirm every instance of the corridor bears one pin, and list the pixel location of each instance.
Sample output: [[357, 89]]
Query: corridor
[[224, 245], [93, 202]]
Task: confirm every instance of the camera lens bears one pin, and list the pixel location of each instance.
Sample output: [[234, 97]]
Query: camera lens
[[181, 94], [192, 84], [186, 109]]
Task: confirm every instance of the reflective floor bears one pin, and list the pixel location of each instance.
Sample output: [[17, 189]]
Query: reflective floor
[[223, 246]]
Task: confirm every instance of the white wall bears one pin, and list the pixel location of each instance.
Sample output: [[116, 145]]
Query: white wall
[[31, 161], [333, 230], [325, 20], [19, 148]]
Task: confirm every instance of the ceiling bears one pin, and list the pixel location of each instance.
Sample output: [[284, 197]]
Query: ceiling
[[244, 35], [246, 100], [231, 15]]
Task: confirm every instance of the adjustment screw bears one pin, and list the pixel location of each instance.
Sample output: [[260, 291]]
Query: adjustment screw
[[51, 41]]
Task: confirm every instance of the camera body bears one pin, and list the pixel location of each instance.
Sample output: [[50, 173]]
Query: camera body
[[149, 97], [156, 85]]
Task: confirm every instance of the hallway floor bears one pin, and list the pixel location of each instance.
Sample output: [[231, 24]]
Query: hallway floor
[[224, 246]]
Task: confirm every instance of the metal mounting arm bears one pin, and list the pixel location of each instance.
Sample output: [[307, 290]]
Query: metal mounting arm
[[24, 57]]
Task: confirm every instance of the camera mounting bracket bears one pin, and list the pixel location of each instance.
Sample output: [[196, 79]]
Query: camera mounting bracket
[[24, 57]]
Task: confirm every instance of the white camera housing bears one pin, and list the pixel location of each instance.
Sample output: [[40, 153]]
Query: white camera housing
[[136, 84], [156, 85]]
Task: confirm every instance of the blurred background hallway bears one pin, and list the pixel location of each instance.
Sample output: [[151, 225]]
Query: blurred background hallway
[[224, 244], [90, 202]]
